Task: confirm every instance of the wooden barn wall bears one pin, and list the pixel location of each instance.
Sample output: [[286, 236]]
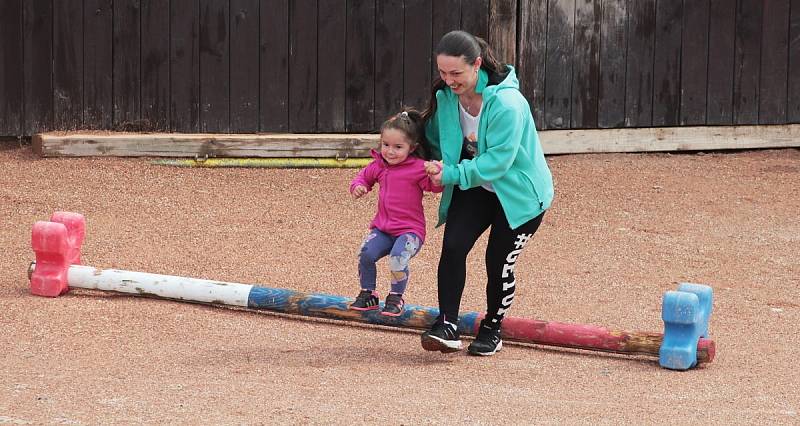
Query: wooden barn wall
[[320, 66]]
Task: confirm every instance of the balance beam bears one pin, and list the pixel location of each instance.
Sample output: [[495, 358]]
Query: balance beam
[[56, 244]]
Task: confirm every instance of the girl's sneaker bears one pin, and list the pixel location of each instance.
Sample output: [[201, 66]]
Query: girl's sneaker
[[393, 307], [367, 300]]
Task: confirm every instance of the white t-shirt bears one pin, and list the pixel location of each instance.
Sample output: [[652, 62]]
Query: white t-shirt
[[469, 127]]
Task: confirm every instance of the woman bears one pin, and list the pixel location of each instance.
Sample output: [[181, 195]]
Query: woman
[[495, 176]]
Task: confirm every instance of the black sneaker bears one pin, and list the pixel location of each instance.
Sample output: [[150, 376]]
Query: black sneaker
[[367, 300], [487, 342], [442, 337], [393, 307]]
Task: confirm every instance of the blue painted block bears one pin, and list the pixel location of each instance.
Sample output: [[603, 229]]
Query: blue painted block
[[686, 314], [706, 296]]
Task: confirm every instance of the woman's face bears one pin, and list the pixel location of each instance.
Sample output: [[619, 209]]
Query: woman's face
[[395, 146], [458, 74]]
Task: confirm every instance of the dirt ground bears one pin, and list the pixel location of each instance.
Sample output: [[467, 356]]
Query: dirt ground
[[624, 228]]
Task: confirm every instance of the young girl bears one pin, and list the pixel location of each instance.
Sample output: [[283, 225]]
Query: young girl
[[398, 229]]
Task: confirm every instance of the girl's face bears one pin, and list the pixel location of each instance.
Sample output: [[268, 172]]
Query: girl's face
[[458, 74], [395, 146]]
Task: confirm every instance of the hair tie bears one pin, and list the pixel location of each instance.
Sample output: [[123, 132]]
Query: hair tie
[[404, 114]]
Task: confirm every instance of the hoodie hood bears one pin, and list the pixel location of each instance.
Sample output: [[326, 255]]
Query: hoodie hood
[[483, 87]]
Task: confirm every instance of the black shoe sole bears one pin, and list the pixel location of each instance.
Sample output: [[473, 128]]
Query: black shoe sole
[[431, 343], [473, 351]]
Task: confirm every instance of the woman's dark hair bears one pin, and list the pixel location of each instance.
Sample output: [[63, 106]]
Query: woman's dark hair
[[470, 47], [410, 122]]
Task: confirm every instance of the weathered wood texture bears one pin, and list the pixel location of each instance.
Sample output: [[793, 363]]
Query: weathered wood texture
[[203, 145], [37, 27], [793, 93], [359, 66], [60, 144], [302, 66], [11, 67], [335, 66], [331, 45], [613, 58], [694, 62], [244, 66]]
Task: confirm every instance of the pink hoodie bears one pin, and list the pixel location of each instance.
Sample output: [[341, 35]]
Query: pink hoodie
[[400, 197]]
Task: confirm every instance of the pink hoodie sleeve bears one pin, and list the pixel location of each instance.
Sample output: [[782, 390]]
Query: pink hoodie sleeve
[[426, 184], [365, 177]]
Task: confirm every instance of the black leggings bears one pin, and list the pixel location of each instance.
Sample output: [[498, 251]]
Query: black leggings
[[470, 213]]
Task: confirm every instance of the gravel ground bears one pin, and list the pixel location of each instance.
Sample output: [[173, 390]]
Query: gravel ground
[[624, 228]]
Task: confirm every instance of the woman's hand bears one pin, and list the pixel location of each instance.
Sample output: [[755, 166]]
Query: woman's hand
[[433, 167], [359, 191]]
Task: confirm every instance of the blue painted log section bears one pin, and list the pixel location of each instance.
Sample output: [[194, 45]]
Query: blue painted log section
[[336, 307]]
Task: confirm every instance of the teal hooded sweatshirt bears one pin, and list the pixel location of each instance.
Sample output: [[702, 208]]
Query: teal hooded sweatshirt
[[509, 157]]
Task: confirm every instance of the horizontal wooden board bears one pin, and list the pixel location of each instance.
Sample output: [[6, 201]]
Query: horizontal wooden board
[[358, 145], [204, 145], [669, 139]]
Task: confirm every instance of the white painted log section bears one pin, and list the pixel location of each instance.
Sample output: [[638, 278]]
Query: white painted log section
[[344, 146], [166, 286]]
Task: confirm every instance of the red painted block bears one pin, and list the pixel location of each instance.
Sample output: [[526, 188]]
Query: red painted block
[[57, 245], [76, 230]]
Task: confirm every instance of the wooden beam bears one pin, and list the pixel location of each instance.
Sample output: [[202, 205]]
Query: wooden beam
[[204, 145], [655, 139], [61, 144]]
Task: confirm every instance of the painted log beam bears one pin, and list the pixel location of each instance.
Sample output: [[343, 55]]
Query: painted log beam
[[328, 306], [56, 270]]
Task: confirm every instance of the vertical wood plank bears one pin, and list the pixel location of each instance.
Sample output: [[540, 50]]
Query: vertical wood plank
[[98, 64], [586, 68], [694, 62], [303, 66], [446, 17], [332, 22], [184, 66], [155, 87], [388, 59], [215, 57], [747, 63], [793, 91], [127, 63], [38, 67], [503, 30], [274, 60], [667, 63], [558, 79], [613, 58], [11, 66], [417, 53], [774, 63], [475, 17], [639, 69], [244, 65], [67, 64], [721, 54], [532, 55], [360, 63]]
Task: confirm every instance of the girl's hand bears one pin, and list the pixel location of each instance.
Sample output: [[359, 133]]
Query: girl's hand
[[437, 178], [359, 191], [433, 167]]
